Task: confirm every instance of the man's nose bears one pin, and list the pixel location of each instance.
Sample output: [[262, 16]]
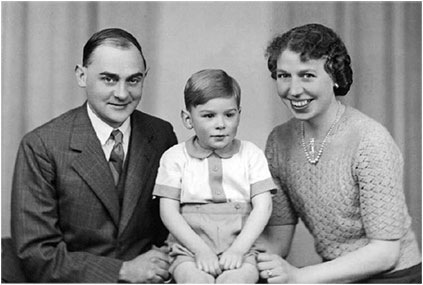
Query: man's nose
[[121, 91]]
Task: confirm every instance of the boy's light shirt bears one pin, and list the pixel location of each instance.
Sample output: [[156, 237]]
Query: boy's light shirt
[[103, 132], [184, 172]]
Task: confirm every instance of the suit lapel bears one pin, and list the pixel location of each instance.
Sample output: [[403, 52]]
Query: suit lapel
[[91, 164], [140, 156]]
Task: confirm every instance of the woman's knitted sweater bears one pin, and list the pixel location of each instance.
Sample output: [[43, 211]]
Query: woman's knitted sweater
[[354, 193]]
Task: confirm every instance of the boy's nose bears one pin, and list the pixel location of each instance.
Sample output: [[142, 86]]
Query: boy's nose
[[220, 123]]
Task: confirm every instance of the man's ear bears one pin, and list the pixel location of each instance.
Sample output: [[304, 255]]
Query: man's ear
[[81, 75], [186, 119]]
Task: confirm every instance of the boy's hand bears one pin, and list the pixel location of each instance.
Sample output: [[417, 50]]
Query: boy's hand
[[207, 261], [231, 260]]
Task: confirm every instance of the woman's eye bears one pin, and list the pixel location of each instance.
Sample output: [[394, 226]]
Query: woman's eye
[[282, 75], [230, 115], [308, 75]]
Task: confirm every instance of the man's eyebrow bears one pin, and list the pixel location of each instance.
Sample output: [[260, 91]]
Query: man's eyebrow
[[109, 74], [114, 75], [138, 74]]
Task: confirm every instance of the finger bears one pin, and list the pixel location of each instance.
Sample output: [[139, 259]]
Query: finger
[[157, 279], [218, 269], [199, 266], [262, 257], [232, 264], [265, 265], [162, 264], [223, 263], [227, 265], [263, 275], [278, 280], [158, 255], [238, 264], [164, 274]]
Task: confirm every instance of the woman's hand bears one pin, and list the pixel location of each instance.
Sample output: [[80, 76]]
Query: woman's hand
[[207, 261], [275, 269], [231, 260]]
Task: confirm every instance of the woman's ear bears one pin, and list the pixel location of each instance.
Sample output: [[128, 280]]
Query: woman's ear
[[186, 119], [81, 75]]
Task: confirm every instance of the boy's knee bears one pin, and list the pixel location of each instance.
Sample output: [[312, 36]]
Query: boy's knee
[[245, 275], [188, 273]]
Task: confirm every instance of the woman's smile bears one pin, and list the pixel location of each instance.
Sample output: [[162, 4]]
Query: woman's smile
[[300, 104]]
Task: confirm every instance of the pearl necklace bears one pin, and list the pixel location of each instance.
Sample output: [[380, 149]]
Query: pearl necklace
[[311, 154]]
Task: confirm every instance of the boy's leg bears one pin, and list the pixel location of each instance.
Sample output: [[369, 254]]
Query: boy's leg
[[246, 274], [187, 272]]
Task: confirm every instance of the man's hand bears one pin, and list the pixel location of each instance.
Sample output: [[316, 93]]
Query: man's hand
[[149, 267]]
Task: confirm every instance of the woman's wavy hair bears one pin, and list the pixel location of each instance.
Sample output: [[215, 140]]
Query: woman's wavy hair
[[315, 41]]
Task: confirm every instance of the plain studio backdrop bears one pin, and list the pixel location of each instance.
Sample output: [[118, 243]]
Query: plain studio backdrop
[[42, 42]]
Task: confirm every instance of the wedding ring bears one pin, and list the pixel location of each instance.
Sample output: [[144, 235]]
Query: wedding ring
[[269, 274]]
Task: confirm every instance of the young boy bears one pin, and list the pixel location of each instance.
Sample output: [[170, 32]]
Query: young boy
[[215, 190]]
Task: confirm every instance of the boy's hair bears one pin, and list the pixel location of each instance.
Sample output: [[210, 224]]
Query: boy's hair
[[113, 36], [208, 84]]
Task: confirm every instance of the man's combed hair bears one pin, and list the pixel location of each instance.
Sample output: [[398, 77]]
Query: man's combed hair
[[113, 36], [315, 41], [208, 84]]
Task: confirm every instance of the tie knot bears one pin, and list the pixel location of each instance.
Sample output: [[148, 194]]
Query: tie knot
[[117, 136]]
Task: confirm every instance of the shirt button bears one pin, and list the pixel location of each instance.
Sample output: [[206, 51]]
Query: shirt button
[[237, 206], [215, 168], [218, 192]]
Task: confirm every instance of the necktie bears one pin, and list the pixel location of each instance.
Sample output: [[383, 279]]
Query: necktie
[[116, 156]]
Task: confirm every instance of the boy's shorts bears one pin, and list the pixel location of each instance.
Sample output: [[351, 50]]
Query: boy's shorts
[[218, 225]]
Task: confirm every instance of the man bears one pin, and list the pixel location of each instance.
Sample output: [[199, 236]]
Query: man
[[82, 209]]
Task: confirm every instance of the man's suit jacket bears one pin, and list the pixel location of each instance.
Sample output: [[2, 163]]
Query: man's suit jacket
[[67, 224]]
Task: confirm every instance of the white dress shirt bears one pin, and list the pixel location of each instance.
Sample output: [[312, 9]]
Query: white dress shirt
[[103, 132]]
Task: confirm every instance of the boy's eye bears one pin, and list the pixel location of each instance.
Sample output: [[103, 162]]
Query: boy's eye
[[231, 114], [208, 115]]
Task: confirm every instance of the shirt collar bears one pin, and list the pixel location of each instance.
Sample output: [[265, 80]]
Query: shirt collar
[[194, 149], [103, 130]]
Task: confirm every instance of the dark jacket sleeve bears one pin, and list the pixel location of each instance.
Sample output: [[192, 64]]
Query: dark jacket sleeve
[[39, 241]]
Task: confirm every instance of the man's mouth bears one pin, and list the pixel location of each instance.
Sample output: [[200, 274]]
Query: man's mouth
[[119, 105]]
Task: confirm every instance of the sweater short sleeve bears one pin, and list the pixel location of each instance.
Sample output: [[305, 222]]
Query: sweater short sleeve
[[378, 168]]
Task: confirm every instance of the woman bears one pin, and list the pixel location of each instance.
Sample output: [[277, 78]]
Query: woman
[[339, 171]]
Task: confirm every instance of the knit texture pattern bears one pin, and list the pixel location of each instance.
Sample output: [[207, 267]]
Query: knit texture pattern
[[353, 194]]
